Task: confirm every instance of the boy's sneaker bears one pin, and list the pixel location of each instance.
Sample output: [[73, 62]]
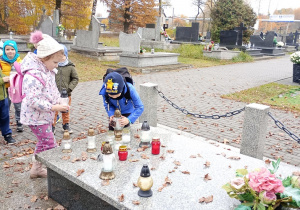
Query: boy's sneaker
[[9, 139], [67, 127], [53, 129], [19, 127]]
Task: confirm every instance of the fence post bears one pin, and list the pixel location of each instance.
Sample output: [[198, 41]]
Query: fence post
[[254, 130], [149, 97]]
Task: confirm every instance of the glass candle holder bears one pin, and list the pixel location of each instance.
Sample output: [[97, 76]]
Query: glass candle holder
[[155, 145], [66, 142], [123, 153], [145, 135], [110, 137], [126, 135], [91, 140]]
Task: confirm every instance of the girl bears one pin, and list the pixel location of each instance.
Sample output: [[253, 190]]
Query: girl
[[42, 96], [11, 55]]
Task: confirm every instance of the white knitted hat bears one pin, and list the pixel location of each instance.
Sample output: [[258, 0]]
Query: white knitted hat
[[47, 46]]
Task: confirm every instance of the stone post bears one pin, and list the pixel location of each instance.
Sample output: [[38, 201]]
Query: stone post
[[254, 130], [149, 97]]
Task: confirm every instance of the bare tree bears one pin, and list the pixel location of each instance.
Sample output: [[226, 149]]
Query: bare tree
[[200, 4]]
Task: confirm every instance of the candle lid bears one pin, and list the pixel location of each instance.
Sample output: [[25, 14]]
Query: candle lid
[[123, 148], [145, 172], [66, 135], [156, 139], [91, 131], [117, 113], [107, 148], [145, 126]]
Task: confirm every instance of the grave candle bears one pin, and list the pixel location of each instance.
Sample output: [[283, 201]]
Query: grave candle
[[123, 153], [66, 142], [91, 140], [145, 182], [126, 135], [107, 172], [145, 135], [155, 145], [117, 127]]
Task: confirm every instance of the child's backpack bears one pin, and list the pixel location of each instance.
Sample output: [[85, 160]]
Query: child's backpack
[[15, 89], [127, 78]]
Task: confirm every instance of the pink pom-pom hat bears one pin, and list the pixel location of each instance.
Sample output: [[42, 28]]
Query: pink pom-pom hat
[[36, 37]]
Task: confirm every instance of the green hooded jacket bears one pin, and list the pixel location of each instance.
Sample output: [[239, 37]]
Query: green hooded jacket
[[3, 94], [66, 77]]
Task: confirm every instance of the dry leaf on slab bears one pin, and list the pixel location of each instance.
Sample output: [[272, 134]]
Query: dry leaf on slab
[[65, 157], [199, 155], [84, 156], [26, 206], [170, 151], [75, 159], [152, 169], [234, 158], [93, 158], [296, 173], [163, 157], [144, 156], [135, 184], [207, 164], [137, 136], [133, 160], [136, 202], [226, 141], [105, 183], [160, 189], [121, 198], [193, 156], [33, 199], [177, 163], [79, 172], [207, 177], [185, 172], [59, 207], [46, 198], [167, 180], [206, 199]]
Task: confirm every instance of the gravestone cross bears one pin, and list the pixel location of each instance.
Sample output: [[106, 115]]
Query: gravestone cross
[[261, 35], [240, 29], [280, 29]]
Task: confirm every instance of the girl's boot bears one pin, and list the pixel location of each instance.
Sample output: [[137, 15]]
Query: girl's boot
[[37, 171]]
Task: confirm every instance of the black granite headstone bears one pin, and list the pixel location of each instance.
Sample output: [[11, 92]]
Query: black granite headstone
[[228, 38], [290, 39], [296, 37], [150, 25], [257, 41], [187, 34], [208, 35], [240, 30]]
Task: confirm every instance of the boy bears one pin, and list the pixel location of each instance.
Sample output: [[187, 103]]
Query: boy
[[4, 110], [67, 78], [113, 92]]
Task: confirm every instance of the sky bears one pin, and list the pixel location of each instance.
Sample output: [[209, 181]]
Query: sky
[[186, 8]]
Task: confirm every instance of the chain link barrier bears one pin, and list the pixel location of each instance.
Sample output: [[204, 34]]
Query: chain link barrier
[[186, 112], [282, 127]]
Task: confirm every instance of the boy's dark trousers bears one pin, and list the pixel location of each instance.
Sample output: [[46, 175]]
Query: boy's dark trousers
[[4, 117]]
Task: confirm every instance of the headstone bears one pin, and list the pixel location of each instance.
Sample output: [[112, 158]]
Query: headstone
[[89, 39], [188, 34], [130, 43], [147, 34], [150, 25], [257, 41], [240, 30], [208, 35], [46, 26], [296, 37], [290, 39], [228, 38]]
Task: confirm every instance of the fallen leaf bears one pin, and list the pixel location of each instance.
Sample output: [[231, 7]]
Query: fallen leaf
[[136, 202], [46, 198], [163, 145], [105, 183], [185, 172], [160, 189], [26, 206], [207, 177], [135, 184], [177, 163], [59, 207], [133, 160], [33, 199], [75, 159], [199, 155], [206, 199], [93, 158], [79, 172], [234, 158], [193, 156], [175, 167], [170, 151], [137, 136], [65, 157], [207, 164], [144, 156], [121, 198], [296, 173], [163, 157], [226, 141], [84, 156], [167, 180]]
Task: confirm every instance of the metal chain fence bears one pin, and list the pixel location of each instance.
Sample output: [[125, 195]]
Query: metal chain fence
[[186, 112], [282, 127]]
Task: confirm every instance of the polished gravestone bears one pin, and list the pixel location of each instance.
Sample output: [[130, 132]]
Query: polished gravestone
[[187, 34], [187, 179]]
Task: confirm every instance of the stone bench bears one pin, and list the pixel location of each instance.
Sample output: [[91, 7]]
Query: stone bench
[[87, 192]]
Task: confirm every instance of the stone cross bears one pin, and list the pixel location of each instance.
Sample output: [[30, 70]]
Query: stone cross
[[240, 29], [280, 29], [296, 37]]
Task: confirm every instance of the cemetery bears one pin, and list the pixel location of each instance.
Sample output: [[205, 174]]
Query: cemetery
[[159, 120]]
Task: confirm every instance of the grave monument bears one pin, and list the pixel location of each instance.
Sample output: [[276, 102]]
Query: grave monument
[[187, 34]]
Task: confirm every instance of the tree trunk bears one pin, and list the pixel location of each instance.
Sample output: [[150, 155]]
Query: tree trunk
[[127, 20], [93, 13], [203, 21]]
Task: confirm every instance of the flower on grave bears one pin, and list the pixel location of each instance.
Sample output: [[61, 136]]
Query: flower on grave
[[280, 44], [261, 189], [274, 40], [295, 57], [60, 29], [212, 42]]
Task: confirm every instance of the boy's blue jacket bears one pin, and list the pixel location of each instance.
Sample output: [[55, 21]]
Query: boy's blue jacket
[[134, 105]]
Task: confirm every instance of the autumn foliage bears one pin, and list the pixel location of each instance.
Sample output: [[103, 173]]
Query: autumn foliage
[[22, 16], [128, 15]]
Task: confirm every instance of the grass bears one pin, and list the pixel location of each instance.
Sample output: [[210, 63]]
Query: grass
[[278, 96]]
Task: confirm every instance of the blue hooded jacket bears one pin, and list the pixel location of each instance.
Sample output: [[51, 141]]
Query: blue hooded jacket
[[134, 106]]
